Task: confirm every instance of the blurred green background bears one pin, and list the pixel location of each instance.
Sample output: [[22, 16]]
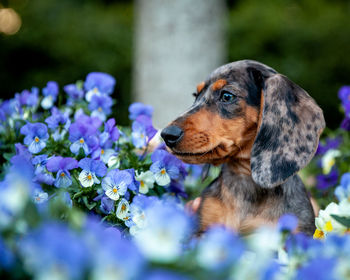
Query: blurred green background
[[63, 40]]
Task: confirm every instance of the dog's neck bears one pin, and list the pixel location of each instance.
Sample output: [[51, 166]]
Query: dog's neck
[[239, 166]]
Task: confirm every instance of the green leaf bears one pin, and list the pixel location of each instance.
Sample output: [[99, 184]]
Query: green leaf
[[345, 221], [88, 205], [8, 156]]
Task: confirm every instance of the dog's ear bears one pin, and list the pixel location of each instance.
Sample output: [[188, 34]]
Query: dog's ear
[[289, 127]]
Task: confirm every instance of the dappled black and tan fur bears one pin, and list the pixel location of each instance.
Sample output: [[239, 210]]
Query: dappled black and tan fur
[[263, 128]]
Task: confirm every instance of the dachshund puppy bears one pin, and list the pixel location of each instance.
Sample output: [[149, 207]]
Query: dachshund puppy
[[263, 129]]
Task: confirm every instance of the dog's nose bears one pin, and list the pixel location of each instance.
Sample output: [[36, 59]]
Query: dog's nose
[[172, 135]]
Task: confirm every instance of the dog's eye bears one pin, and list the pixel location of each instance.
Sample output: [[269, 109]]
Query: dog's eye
[[226, 96]]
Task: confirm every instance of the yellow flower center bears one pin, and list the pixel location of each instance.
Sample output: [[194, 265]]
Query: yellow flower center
[[142, 183], [162, 171], [328, 227], [123, 207], [95, 90], [37, 198], [62, 174], [102, 152], [99, 109], [36, 139], [81, 141], [142, 135], [318, 234], [115, 189], [89, 177]]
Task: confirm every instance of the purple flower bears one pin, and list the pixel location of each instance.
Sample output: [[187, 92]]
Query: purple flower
[[62, 166], [116, 183], [82, 134], [100, 105], [50, 93], [142, 131], [110, 134], [57, 118], [27, 98], [136, 109], [56, 246], [326, 181], [74, 93], [344, 94], [7, 108], [22, 150], [345, 124], [107, 205], [35, 136], [165, 167], [98, 83], [288, 222], [331, 143], [90, 170], [343, 190]]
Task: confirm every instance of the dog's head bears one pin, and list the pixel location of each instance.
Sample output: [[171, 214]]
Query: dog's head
[[246, 110]]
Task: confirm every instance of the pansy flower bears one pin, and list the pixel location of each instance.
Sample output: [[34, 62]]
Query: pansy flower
[[40, 196], [165, 167], [57, 119], [123, 209], [90, 170], [100, 106], [115, 184], [50, 93], [142, 131], [146, 180], [62, 166], [35, 136], [107, 205], [110, 134], [342, 192], [27, 98], [82, 134], [136, 109], [98, 83], [74, 93], [326, 181]]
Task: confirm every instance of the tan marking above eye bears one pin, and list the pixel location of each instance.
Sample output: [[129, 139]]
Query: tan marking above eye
[[200, 86], [219, 84]]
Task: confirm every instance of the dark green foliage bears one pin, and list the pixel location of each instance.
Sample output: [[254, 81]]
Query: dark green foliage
[[307, 40], [65, 40]]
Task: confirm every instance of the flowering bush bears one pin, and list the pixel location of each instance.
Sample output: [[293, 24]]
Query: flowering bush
[[84, 198]]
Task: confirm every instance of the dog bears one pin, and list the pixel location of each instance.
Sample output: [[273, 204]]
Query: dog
[[262, 128]]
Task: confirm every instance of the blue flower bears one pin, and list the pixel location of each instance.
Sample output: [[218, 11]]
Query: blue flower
[[142, 131], [27, 98], [90, 170], [57, 119], [116, 183], [343, 190], [136, 109], [82, 134], [345, 124], [41, 175], [50, 93], [98, 83], [324, 182], [62, 166], [165, 167], [287, 222], [166, 228], [219, 248], [320, 268], [74, 93], [331, 143], [7, 258], [54, 246], [35, 136], [40, 196], [110, 134], [100, 105], [107, 205]]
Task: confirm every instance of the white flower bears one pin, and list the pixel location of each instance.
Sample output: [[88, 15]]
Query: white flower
[[162, 177], [328, 160], [106, 155], [40, 196], [146, 180], [91, 93], [112, 189], [47, 102], [123, 208], [325, 223], [87, 178], [113, 162]]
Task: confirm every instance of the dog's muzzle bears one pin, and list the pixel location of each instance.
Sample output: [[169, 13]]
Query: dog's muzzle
[[172, 135]]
